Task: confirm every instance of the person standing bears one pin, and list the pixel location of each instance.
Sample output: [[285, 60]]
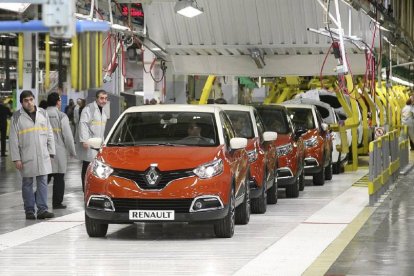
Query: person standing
[[31, 147], [4, 114], [407, 118], [91, 125], [64, 144]]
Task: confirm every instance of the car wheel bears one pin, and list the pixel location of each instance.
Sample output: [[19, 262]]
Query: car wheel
[[292, 191], [328, 171], [243, 210], [302, 180], [94, 228], [272, 195], [259, 205], [319, 178], [336, 168], [225, 227]]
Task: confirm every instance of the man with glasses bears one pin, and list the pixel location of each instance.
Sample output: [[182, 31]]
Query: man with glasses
[[91, 125], [31, 147], [64, 144]]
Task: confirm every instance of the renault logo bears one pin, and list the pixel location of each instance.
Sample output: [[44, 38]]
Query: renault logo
[[152, 175]]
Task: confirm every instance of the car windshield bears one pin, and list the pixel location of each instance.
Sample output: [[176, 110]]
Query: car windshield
[[242, 123], [274, 120], [165, 128], [301, 117]]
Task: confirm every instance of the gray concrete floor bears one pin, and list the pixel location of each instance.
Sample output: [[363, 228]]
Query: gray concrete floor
[[385, 244]]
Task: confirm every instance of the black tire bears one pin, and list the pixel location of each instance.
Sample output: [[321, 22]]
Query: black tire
[[292, 191], [302, 180], [328, 171], [94, 228], [319, 178], [272, 195], [259, 205], [243, 210], [336, 168], [225, 227]]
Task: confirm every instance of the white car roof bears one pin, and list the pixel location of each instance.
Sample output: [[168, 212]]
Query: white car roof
[[236, 107], [174, 108], [307, 106]]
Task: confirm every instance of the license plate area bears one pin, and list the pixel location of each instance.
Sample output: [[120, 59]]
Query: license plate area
[[160, 215]]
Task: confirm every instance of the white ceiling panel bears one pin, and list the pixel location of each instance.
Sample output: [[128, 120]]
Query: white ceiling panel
[[232, 27]]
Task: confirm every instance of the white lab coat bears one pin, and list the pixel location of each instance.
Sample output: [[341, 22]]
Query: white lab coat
[[63, 139], [407, 118], [32, 142], [91, 125]]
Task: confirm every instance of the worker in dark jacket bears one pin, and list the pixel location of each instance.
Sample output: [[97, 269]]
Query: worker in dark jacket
[[4, 114]]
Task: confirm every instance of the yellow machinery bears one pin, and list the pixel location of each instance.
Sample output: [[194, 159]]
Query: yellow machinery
[[281, 90], [205, 94]]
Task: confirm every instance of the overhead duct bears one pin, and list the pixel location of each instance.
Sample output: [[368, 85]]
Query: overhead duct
[[258, 57]]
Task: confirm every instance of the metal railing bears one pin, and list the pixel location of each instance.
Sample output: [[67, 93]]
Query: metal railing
[[387, 155]]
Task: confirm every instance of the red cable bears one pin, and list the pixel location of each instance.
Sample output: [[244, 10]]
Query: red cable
[[323, 65]]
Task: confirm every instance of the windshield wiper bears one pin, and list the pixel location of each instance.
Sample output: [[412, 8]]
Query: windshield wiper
[[119, 144]]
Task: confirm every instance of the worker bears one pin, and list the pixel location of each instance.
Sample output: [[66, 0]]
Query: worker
[[31, 147], [91, 125], [64, 144]]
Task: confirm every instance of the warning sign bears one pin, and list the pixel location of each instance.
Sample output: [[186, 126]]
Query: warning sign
[[379, 131]]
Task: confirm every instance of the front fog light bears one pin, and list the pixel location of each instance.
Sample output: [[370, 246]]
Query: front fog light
[[100, 203], [206, 203]]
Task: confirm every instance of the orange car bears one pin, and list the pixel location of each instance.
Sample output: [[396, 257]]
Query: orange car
[[169, 163], [261, 152], [317, 140], [290, 149]]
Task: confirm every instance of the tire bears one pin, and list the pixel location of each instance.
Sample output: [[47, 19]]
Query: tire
[[225, 227], [292, 191], [94, 228], [319, 178], [302, 180], [243, 210], [272, 195], [336, 168], [259, 205], [328, 171]]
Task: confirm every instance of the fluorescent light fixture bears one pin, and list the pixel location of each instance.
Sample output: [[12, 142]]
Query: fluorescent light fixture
[[188, 8], [400, 81], [156, 49], [14, 7]]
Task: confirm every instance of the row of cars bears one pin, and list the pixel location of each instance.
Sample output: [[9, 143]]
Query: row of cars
[[212, 164]]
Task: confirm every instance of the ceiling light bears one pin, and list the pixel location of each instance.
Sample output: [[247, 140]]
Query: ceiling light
[[188, 8]]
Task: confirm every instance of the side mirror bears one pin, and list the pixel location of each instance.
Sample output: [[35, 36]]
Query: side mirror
[[269, 136], [300, 131], [95, 143], [238, 143], [324, 126]]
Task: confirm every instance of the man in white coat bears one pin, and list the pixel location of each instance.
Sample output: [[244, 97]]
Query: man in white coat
[[31, 147], [91, 125], [64, 144]]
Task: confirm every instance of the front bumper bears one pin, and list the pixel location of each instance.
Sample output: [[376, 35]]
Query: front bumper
[[123, 217]]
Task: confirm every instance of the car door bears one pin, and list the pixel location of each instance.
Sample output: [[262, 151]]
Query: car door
[[326, 137], [237, 159]]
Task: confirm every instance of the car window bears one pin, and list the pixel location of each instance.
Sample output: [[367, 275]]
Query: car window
[[259, 123], [302, 117], [173, 128], [228, 131], [274, 120], [242, 123]]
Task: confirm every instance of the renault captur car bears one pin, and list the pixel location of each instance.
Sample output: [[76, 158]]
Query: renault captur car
[[290, 149], [317, 140], [169, 163], [261, 152]]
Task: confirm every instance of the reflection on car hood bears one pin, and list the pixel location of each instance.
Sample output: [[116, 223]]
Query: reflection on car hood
[[166, 158]]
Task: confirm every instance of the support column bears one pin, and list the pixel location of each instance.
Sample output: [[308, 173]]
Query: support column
[[176, 87], [30, 67]]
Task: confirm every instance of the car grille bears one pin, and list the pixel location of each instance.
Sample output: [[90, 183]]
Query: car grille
[[178, 205], [139, 177]]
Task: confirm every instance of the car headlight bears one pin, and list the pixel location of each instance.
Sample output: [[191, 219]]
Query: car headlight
[[311, 142], [284, 150], [210, 169], [252, 155], [101, 170]]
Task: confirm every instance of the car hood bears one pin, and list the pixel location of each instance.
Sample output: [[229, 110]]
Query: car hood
[[166, 157], [282, 139]]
